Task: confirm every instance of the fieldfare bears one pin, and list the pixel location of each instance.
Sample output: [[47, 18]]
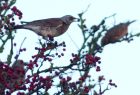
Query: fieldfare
[[52, 27], [115, 33]]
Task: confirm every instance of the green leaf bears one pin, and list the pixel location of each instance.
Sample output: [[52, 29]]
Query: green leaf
[[12, 2], [1, 49]]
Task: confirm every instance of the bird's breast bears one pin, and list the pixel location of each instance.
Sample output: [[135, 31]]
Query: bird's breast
[[54, 31]]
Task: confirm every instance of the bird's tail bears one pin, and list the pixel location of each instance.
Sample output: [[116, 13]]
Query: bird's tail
[[18, 27]]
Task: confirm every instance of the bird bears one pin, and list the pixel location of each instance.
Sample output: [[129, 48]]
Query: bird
[[51, 27], [115, 33]]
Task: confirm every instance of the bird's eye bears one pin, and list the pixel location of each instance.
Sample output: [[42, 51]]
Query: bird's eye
[[71, 18]]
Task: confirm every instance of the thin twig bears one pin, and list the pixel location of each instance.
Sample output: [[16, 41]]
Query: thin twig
[[73, 41], [20, 48]]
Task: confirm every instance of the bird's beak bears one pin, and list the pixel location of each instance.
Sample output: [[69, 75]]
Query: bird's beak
[[75, 19]]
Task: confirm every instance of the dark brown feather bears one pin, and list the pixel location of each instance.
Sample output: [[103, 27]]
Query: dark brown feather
[[51, 22]]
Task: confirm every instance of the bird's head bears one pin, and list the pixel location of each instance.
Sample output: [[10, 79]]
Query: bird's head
[[68, 19]]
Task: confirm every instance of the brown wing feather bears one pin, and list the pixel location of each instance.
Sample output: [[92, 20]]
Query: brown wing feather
[[51, 22], [115, 33]]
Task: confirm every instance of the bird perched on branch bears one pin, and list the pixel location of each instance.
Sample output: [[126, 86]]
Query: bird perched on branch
[[115, 33], [49, 27]]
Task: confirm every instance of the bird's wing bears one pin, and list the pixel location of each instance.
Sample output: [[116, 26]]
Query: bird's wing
[[51, 22]]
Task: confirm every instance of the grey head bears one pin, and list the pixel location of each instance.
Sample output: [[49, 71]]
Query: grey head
[[68, 19]]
